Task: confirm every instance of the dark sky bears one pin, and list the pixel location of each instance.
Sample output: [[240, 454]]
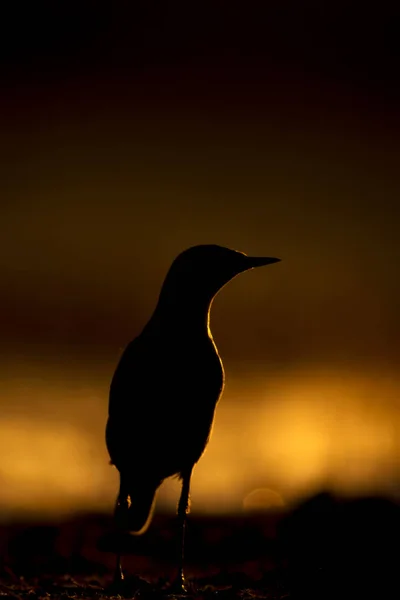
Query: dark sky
[[131, 131]]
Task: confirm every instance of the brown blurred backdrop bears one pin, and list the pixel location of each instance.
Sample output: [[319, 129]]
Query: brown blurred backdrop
[[131, 134]]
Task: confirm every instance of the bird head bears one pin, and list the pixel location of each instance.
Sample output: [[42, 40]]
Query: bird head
[[201, 271]]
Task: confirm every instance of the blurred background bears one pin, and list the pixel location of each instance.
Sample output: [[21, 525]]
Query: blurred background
[[131, 131]]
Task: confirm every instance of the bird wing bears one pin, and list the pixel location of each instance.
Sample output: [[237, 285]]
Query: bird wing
[[144, 405], [162, 402]]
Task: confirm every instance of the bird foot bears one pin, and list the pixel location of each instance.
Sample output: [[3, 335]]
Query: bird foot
[[179, 586], [118, 581]]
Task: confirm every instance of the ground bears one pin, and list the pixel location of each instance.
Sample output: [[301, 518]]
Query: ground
[[324, 549]]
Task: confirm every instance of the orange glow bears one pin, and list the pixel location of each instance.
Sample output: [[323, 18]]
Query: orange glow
[[261, 500], [48, 466], [281, 437]]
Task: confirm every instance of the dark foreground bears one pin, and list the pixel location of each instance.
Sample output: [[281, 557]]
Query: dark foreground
[[324, 549]]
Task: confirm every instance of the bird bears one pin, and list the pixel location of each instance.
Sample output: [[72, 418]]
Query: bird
[[165, 389]]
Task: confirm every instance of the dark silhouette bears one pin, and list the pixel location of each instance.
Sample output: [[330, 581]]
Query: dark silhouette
[[166, 387]]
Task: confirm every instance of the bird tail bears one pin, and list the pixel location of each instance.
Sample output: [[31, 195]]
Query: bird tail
[[135, 504]]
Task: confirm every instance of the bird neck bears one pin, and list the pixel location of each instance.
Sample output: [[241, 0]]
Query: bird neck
[[185, 316]]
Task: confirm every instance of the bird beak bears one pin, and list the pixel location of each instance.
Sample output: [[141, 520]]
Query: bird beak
[[260, 261]]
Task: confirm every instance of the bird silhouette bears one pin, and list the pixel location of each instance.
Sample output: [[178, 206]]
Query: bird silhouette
[[165, 389]]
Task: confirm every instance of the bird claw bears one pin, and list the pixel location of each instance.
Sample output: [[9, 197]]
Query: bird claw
[[178, 587], [118, 580], [117, 587]]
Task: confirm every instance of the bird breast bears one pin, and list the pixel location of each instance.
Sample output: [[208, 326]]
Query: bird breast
[[162, 402]]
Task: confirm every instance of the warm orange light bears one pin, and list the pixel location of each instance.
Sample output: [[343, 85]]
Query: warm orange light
[[48, 466], [293, 434], [262, 500]]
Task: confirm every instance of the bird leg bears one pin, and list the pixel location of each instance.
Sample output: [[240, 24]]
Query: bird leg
[[120, 505], [179, 585], [118, 573]]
